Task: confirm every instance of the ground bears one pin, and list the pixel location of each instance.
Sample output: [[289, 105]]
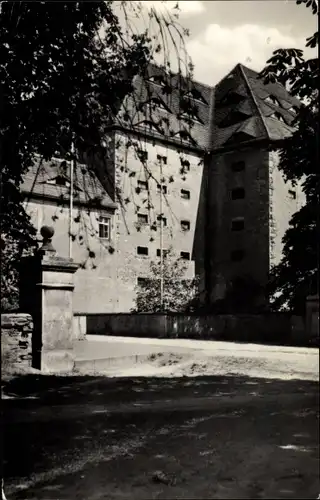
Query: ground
[[210, 436]]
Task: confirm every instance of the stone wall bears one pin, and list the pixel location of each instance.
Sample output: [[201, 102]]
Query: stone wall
[[16, 340], [312, 317], [273, 328]]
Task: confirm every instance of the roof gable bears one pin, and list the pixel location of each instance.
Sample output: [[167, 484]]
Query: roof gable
[[51, 179]]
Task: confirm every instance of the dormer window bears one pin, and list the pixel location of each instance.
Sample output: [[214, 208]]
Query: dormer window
[[58, 154], [59, 181], [156, 103], [186, 137], [232, 97], [232, 118], [157, 80], [293, 110], [150, 125], [190, 117], [272, 100], [196, 95], [278, 116]]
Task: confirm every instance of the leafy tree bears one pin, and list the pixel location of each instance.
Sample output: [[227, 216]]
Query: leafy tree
[[65, 69], [178, 292], [296, 275]]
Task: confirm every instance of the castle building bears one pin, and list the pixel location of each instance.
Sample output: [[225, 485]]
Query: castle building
[[185, 166]]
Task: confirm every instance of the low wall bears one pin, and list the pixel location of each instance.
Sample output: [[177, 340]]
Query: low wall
[[312, 317], [16, 340], [272, 328]]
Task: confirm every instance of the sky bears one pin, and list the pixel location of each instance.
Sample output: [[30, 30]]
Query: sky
[[224, 33]]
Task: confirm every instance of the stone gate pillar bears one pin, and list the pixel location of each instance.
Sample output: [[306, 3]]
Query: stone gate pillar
[[46, 292]]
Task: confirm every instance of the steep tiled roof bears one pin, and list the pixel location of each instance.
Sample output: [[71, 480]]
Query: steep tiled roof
[[242, 111], [240, 108], [176, 96], [46, 180]]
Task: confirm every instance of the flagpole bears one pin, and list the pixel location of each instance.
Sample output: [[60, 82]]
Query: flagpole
[[161, 240], [71, 199], [208, 228]]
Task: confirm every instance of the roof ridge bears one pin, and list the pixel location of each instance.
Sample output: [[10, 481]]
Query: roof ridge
[[226, 76], [176, 73], [254, 100], [244, 67]]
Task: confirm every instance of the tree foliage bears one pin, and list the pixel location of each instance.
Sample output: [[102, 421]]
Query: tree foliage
[[178, 292], [65, 69], [296, 276]]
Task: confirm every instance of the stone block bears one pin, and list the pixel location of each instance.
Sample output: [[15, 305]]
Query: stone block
[[16, 339], [57, 361], [79, 327]]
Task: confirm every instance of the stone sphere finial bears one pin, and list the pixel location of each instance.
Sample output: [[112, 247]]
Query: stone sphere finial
[[47, 233]]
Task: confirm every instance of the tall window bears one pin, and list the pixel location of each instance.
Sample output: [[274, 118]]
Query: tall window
[[292, 194], [163, 219], [104, 228]]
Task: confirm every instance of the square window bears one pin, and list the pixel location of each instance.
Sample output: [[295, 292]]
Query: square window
[[237, 224], [292, 194], [237, 193], [185, 194], [142, 155], [237, 255], [164, 253], [185, 225], [185, 255], [185, 165], [141, 281], [163, 187], [142, 218], [143, 185], [162, 159], [238, 166], [142, 251], [164, 220], [104, 228]]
